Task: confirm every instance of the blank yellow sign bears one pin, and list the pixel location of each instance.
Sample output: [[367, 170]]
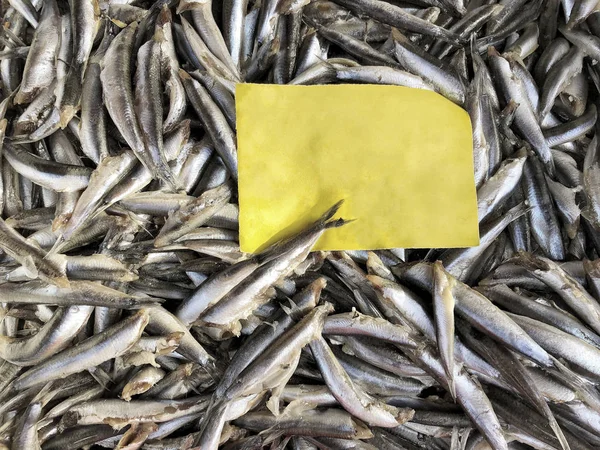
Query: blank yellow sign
[[401, 159]]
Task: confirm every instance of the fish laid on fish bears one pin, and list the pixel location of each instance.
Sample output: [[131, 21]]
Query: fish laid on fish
[[131, 319]]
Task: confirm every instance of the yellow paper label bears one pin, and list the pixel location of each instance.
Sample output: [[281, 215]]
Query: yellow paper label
[[401, 159]]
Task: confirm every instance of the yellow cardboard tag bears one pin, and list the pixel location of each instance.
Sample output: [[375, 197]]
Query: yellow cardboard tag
[[401, 159]]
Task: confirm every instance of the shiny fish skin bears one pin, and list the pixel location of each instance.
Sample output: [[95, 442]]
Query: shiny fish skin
[[329, 422], [191, 162], [526, 44], [443, 306], [169, 69], [176, 140], [559, 77], [561, 344], [469, 23], [98, 267], [95, 350], [219, 93], [221, 134], [445, 82], [32, 257], [363, 52], [155, 204], [545, 228], [27, 10], [591, 173], [52, 338], [357, 324], [36, 112], [557, 49], [26, 434], [378, 382], [40, 67], [62, 88], [477, 310], [515, 370], [481, 148], [204, 58], [9, 69], [80, 436], [525, 118], [193, 214], [349, 396], [118, 93], [567, 206], [238, 303], [233, 27], [570, 290], [589, 43], [303, 302], [50, 174], [522, 305], [109, 172], [396, 17], [270, 371], [84, 394], [77, 293], [572, 130], [381, 75], [85, 18], [500, 185], [253, 380], [148, 109], [412, 310], [214, 289], [474, 401], [210, 33], [92, 128], [386, 358], [162, 322], [459, 262]]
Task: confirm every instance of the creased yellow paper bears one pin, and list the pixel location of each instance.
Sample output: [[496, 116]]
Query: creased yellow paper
[[401, 159]]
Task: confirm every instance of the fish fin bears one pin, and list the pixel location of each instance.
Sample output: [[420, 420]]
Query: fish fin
[[325, 221], [58, 245], [272, 324], [330, 212], [296, 407], [584, 389], [273, 404], [338, 223], [30, 268], [271, 435], [530, 261], [187, 5], [289, 310], [101, 377], [45, 395], [118, 23]]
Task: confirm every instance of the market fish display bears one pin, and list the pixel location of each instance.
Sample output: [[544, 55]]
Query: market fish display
[[131, 319]]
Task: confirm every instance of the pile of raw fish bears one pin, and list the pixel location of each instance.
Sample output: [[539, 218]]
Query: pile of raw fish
[[131, 319]]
